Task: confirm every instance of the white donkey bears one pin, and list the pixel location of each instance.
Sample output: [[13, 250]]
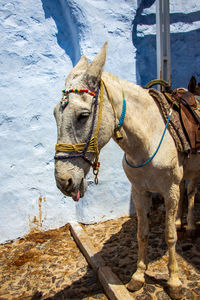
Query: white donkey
[[141, 129]]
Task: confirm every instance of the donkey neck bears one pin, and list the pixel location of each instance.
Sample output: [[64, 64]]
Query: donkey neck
[[140, 130]]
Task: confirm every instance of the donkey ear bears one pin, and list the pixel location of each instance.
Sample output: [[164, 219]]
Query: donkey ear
[[95, 69], [192, 84], [82, 65]]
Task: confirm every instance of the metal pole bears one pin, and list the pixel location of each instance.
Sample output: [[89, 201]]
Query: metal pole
[[163, 40]]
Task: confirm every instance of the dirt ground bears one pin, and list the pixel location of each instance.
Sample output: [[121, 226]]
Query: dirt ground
[[49, 265]]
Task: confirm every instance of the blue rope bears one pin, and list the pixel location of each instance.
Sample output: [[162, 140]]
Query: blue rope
[[121, 120], [146, 162]]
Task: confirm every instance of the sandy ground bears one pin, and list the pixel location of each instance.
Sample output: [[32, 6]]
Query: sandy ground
[[49, 265]]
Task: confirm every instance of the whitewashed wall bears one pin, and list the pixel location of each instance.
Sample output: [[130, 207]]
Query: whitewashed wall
[[40, 42]]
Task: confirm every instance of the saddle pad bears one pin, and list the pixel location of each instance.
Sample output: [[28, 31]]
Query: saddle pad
[[188, 107], [175, 127]]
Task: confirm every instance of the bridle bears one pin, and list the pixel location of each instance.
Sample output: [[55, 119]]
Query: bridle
[[91, 145]]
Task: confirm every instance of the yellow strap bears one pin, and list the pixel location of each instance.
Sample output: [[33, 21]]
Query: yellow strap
[[96, 148], [111, 102], [75, 148], [100, 110], [169, 98], [197, 104]]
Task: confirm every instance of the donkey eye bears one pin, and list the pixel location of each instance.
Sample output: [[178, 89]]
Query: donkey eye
[[83, 116]]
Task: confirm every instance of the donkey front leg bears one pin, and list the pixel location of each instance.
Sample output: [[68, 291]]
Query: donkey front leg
[[142, 205], [171, 205]]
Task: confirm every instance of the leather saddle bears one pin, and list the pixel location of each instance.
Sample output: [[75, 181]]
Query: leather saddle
[[187, 106]]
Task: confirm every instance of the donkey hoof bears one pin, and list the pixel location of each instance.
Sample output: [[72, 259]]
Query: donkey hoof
[[134, 285], [176, 292]]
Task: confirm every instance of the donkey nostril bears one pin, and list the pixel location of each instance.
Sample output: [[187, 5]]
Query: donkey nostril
[[65, 183], [69, 181]]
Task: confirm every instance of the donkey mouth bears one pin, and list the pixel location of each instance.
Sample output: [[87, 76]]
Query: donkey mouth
[[80, 192], [76, 192], [77, 196]]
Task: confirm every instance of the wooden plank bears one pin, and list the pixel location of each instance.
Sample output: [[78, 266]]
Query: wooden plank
[[84, 243], [113, 287]]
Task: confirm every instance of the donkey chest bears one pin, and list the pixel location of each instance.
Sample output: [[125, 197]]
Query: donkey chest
[[152, 178]]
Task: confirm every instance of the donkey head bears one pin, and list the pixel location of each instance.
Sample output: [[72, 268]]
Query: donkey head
[[193, 87], [74, 125]]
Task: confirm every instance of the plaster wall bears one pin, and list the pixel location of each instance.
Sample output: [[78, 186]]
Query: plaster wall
[[41, 40]]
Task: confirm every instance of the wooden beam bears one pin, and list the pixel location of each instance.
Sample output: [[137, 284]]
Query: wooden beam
[[85, 245], [112, 285]]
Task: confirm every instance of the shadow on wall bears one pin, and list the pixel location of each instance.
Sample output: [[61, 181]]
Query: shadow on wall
[[67, 36], [185, 55]]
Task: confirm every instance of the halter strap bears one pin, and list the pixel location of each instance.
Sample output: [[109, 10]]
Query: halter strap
[[118, 125], [92, 143]]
